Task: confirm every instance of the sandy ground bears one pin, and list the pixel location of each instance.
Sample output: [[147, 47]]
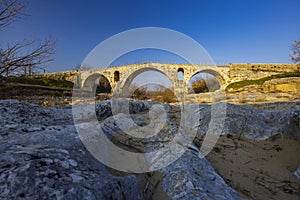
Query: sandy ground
[[258, 170]]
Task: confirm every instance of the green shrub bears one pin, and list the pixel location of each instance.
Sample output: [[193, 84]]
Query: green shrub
[[40, 81]]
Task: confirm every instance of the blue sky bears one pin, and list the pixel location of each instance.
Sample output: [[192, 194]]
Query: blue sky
[[241, 31]]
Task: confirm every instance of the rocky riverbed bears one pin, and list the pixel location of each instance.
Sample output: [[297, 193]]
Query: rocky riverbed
[[256, 156]]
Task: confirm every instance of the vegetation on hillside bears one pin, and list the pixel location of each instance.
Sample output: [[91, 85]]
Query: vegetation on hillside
[[261, 81], [36, 81]]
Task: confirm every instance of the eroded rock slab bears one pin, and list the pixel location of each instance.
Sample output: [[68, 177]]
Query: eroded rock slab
[[43, 157]]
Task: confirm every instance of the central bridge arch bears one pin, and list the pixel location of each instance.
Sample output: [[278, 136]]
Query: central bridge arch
[[212, 72], [124, 84]]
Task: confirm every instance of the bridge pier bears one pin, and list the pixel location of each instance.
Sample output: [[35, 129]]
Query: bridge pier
[[180, 89]]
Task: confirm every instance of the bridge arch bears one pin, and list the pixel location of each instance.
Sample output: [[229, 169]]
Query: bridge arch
[[125, 83], [212, 72], [92, 83]]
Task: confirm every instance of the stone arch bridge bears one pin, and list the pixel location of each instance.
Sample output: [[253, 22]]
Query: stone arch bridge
[[121, 77]]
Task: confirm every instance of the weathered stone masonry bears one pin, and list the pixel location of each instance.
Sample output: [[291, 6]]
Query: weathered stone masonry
[[121, 77]]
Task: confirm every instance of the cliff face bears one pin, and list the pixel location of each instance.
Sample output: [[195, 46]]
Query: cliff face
[[283, 89], [239, 72], [285, 85]]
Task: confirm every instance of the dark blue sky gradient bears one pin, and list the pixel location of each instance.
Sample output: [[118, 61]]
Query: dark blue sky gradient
[[241, 31]]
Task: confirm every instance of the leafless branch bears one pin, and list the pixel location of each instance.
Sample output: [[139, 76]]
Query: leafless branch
[[27, 55], [10, 11], [296, 52], [22, 55]]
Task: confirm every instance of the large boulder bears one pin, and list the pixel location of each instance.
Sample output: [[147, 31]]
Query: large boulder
[[245, 121], [42, 157], [192, 177], [292, 127]]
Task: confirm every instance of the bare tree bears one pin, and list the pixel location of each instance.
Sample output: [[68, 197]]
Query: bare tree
[[10, 11], [83, 67], [25, 56], [296, 52], [12, 57]]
